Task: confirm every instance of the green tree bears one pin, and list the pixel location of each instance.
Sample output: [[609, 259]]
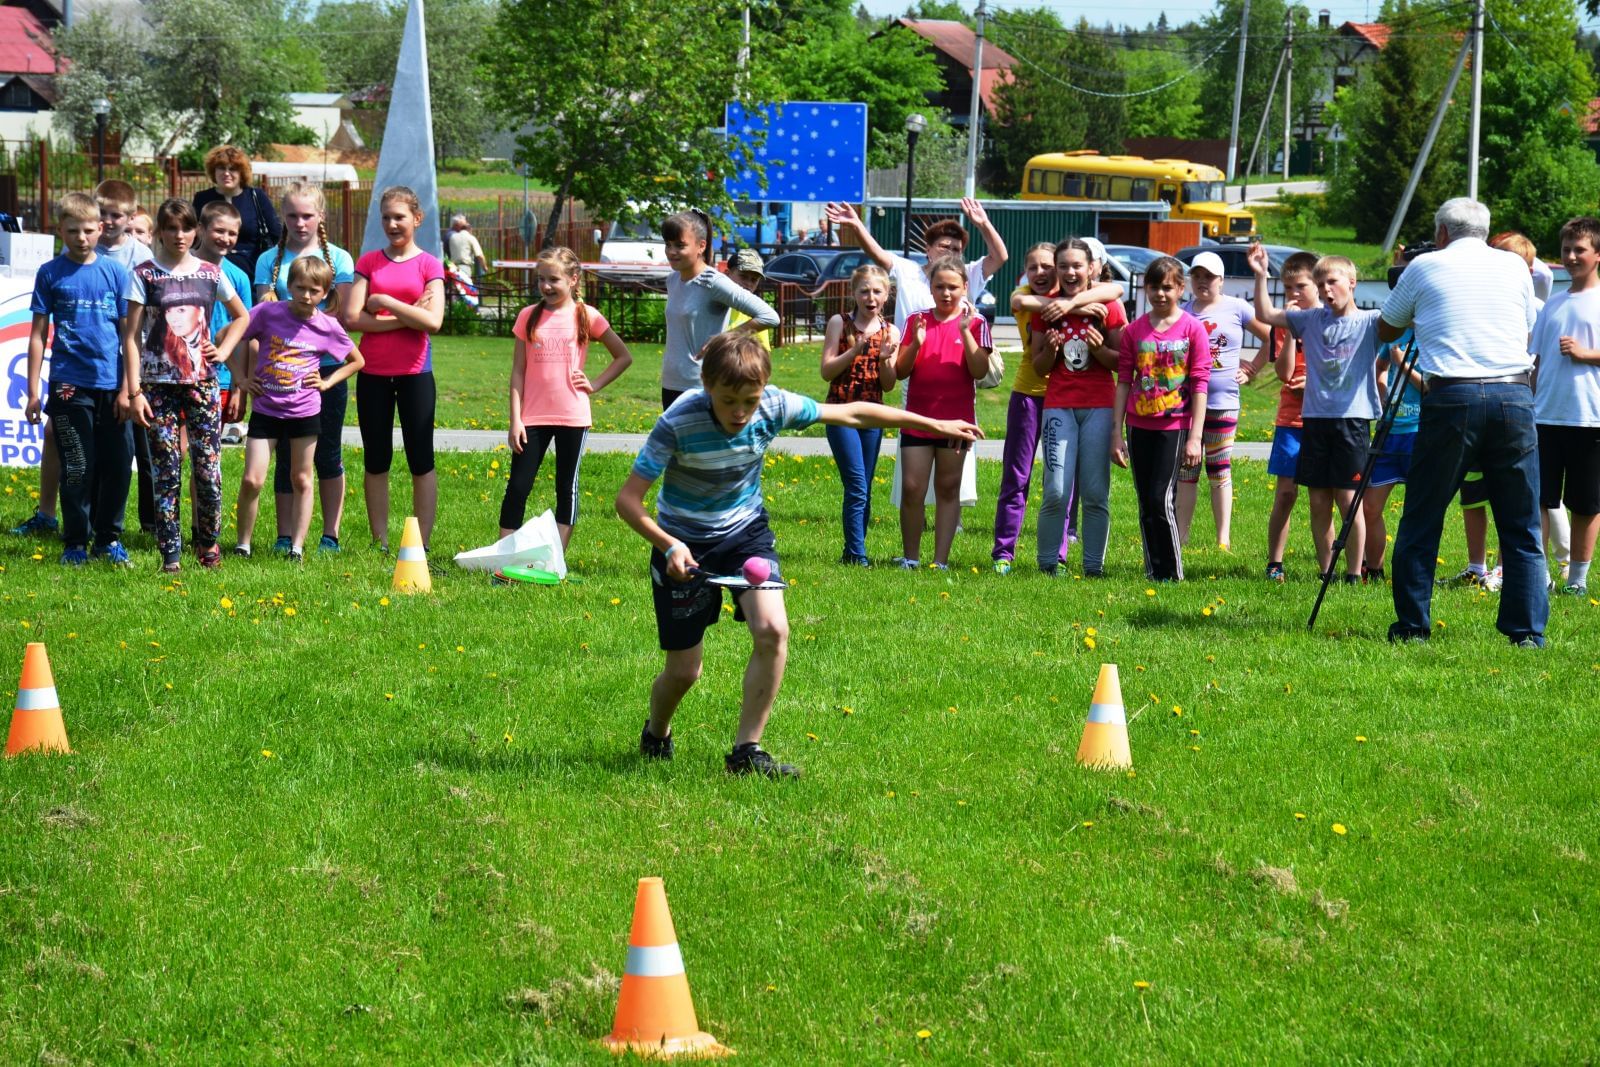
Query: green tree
[[623, 98], [104, 58], [1384, 117], [1041, 106], [1173, 111], [834, 58], [1535, 170]]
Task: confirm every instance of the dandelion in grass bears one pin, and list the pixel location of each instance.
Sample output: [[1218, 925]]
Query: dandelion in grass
[[383, 601], [266, 753], [1177, 711], [26, 625], [1088, 642], [924, 1034], [1088, 823], [1299, 816], [72, 636], [1339, 829], [388, 696], [508, 738], [226, 603], [1206, 611], [290, 612], [1360, 739], [1092, 632], [811, 736], [1141, 985], [615, 601], [1149, 592]]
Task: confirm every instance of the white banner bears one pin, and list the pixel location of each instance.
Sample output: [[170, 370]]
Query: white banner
[[20, 441]]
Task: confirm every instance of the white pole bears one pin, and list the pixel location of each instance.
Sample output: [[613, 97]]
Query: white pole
[[1427, 147], [1238, 91], [973, 109], [1288, 86], [744, 48], [1477, 100]]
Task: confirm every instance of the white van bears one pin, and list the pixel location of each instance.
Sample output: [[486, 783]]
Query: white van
[[637, 249]]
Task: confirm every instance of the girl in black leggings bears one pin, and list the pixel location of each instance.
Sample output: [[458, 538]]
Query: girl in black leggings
[[397, 300]]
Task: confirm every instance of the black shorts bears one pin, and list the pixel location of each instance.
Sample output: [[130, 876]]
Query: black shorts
[[1474, 491], [684, 610], [1569, 468], [272, 427], [1333, 453], [909, 439]]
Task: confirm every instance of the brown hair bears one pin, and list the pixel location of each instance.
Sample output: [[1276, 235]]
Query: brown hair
[[215, 208], [75, 207], [176, 211], [225, 155], [1582, 226], [1163, 270], [692, 224], [403, 194], [1512, 241], [1043, 246], [113, 193], [1299, 263], [313, 192], [572, 266], [942, 229], [950, 263], [310, 269], [734, 359]]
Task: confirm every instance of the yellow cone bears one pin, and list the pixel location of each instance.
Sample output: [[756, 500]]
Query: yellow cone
[[411, 566], [1105, 735]]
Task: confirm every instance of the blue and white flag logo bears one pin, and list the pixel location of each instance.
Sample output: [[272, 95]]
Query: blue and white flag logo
[[812, 151]]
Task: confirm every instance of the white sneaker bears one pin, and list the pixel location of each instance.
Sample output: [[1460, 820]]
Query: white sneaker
[[1494, 580], [233, 433]]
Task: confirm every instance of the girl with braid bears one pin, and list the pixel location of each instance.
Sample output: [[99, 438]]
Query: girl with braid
[[305, 230]]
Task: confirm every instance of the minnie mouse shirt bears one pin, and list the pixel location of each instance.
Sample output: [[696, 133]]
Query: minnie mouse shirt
[[1077, 380]]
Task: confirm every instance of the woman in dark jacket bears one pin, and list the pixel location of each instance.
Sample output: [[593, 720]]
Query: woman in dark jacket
[[259, 228]]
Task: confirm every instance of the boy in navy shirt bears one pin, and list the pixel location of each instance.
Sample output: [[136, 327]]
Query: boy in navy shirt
[[81, 291]]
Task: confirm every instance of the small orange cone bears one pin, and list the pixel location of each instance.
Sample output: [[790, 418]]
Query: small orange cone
[[655, 1016], [36, 723], [411, 565], [1105, 735]]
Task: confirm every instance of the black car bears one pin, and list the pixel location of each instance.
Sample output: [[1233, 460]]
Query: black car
[[812, 267]]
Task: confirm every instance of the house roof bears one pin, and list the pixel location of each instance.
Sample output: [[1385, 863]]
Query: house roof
[[23, 43], [1375, 34], [43, 85], [958, 41], [318, 100]]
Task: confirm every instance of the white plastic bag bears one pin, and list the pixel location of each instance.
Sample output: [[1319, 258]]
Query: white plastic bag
[[537, 544], [969, 481]]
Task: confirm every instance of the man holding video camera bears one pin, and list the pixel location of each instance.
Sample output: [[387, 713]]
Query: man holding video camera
[[1472, 308]]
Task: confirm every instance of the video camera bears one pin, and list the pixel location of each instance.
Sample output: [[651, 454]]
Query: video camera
[[1409, 253]]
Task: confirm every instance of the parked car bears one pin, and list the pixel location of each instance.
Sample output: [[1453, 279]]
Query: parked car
[[1132, 258], [814, 266]]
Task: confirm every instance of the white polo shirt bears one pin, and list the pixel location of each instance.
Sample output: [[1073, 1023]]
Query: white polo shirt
[[913, 294], [1472, 308]]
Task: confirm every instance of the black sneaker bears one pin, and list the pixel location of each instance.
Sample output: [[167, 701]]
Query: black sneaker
[[653, 747], [1275, 573], [751, 758]]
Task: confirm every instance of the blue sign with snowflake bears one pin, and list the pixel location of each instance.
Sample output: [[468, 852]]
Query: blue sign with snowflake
[[811, 152]]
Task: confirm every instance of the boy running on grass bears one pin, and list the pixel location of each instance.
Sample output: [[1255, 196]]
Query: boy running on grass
[[708, 449]]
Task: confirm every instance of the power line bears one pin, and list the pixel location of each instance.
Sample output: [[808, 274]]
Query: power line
[[1125, 96]]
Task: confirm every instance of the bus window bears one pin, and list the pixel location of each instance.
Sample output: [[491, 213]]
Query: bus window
[[1121, 189], [1142, 188], [1072, 185], [1033, 181], [1169, 193], [1202, 192], [1052, 183]]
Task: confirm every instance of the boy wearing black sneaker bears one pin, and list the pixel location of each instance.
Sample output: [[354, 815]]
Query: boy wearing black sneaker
[[708, 449]]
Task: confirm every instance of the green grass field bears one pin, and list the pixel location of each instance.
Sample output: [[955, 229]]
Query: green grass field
[[308, 821], [473, 375]]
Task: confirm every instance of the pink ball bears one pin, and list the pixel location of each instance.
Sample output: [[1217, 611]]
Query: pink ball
[[757, 570]]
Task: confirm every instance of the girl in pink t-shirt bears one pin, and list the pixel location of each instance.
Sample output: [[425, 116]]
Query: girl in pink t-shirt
[[396, 301], [1163, 369], [945, 353], [549, 389]]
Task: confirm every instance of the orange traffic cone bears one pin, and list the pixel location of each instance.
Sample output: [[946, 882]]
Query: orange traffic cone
[[36, 724], [1105, 735], [655, 1016], [411, 565]]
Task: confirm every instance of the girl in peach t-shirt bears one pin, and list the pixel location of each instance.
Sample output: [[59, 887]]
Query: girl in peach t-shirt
[[549, 389]]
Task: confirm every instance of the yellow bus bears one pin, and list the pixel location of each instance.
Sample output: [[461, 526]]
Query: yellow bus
[[1194, 190]]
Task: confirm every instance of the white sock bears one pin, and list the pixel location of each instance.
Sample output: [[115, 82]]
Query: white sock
[[1480, 569], [1578, 574]]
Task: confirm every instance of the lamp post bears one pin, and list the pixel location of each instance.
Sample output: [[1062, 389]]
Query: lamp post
[[102, 111], [915, 124]]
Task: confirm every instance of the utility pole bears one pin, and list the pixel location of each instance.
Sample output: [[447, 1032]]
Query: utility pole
[[1477, 100], [744, 47], [973, 110], [1288, 86], [1238, 91], [1427, 147]]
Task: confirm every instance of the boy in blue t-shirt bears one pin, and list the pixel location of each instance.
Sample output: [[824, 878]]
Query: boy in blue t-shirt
[[82, 292], [1394, 462], [707, 448], [1340, 342]]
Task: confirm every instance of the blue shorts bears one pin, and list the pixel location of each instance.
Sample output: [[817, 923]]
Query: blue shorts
[[1394, 462], [1285, 451]]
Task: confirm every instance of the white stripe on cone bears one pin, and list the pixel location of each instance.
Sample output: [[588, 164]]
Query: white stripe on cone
[[37, 699], [412, 555], [1108, 713], [654, 961]]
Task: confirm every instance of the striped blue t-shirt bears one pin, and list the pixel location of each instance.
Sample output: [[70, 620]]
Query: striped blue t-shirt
[[712, 483]]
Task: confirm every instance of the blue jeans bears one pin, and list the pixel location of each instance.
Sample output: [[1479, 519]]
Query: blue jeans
[[1474, 427], [856, 453], [1077, 456]]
